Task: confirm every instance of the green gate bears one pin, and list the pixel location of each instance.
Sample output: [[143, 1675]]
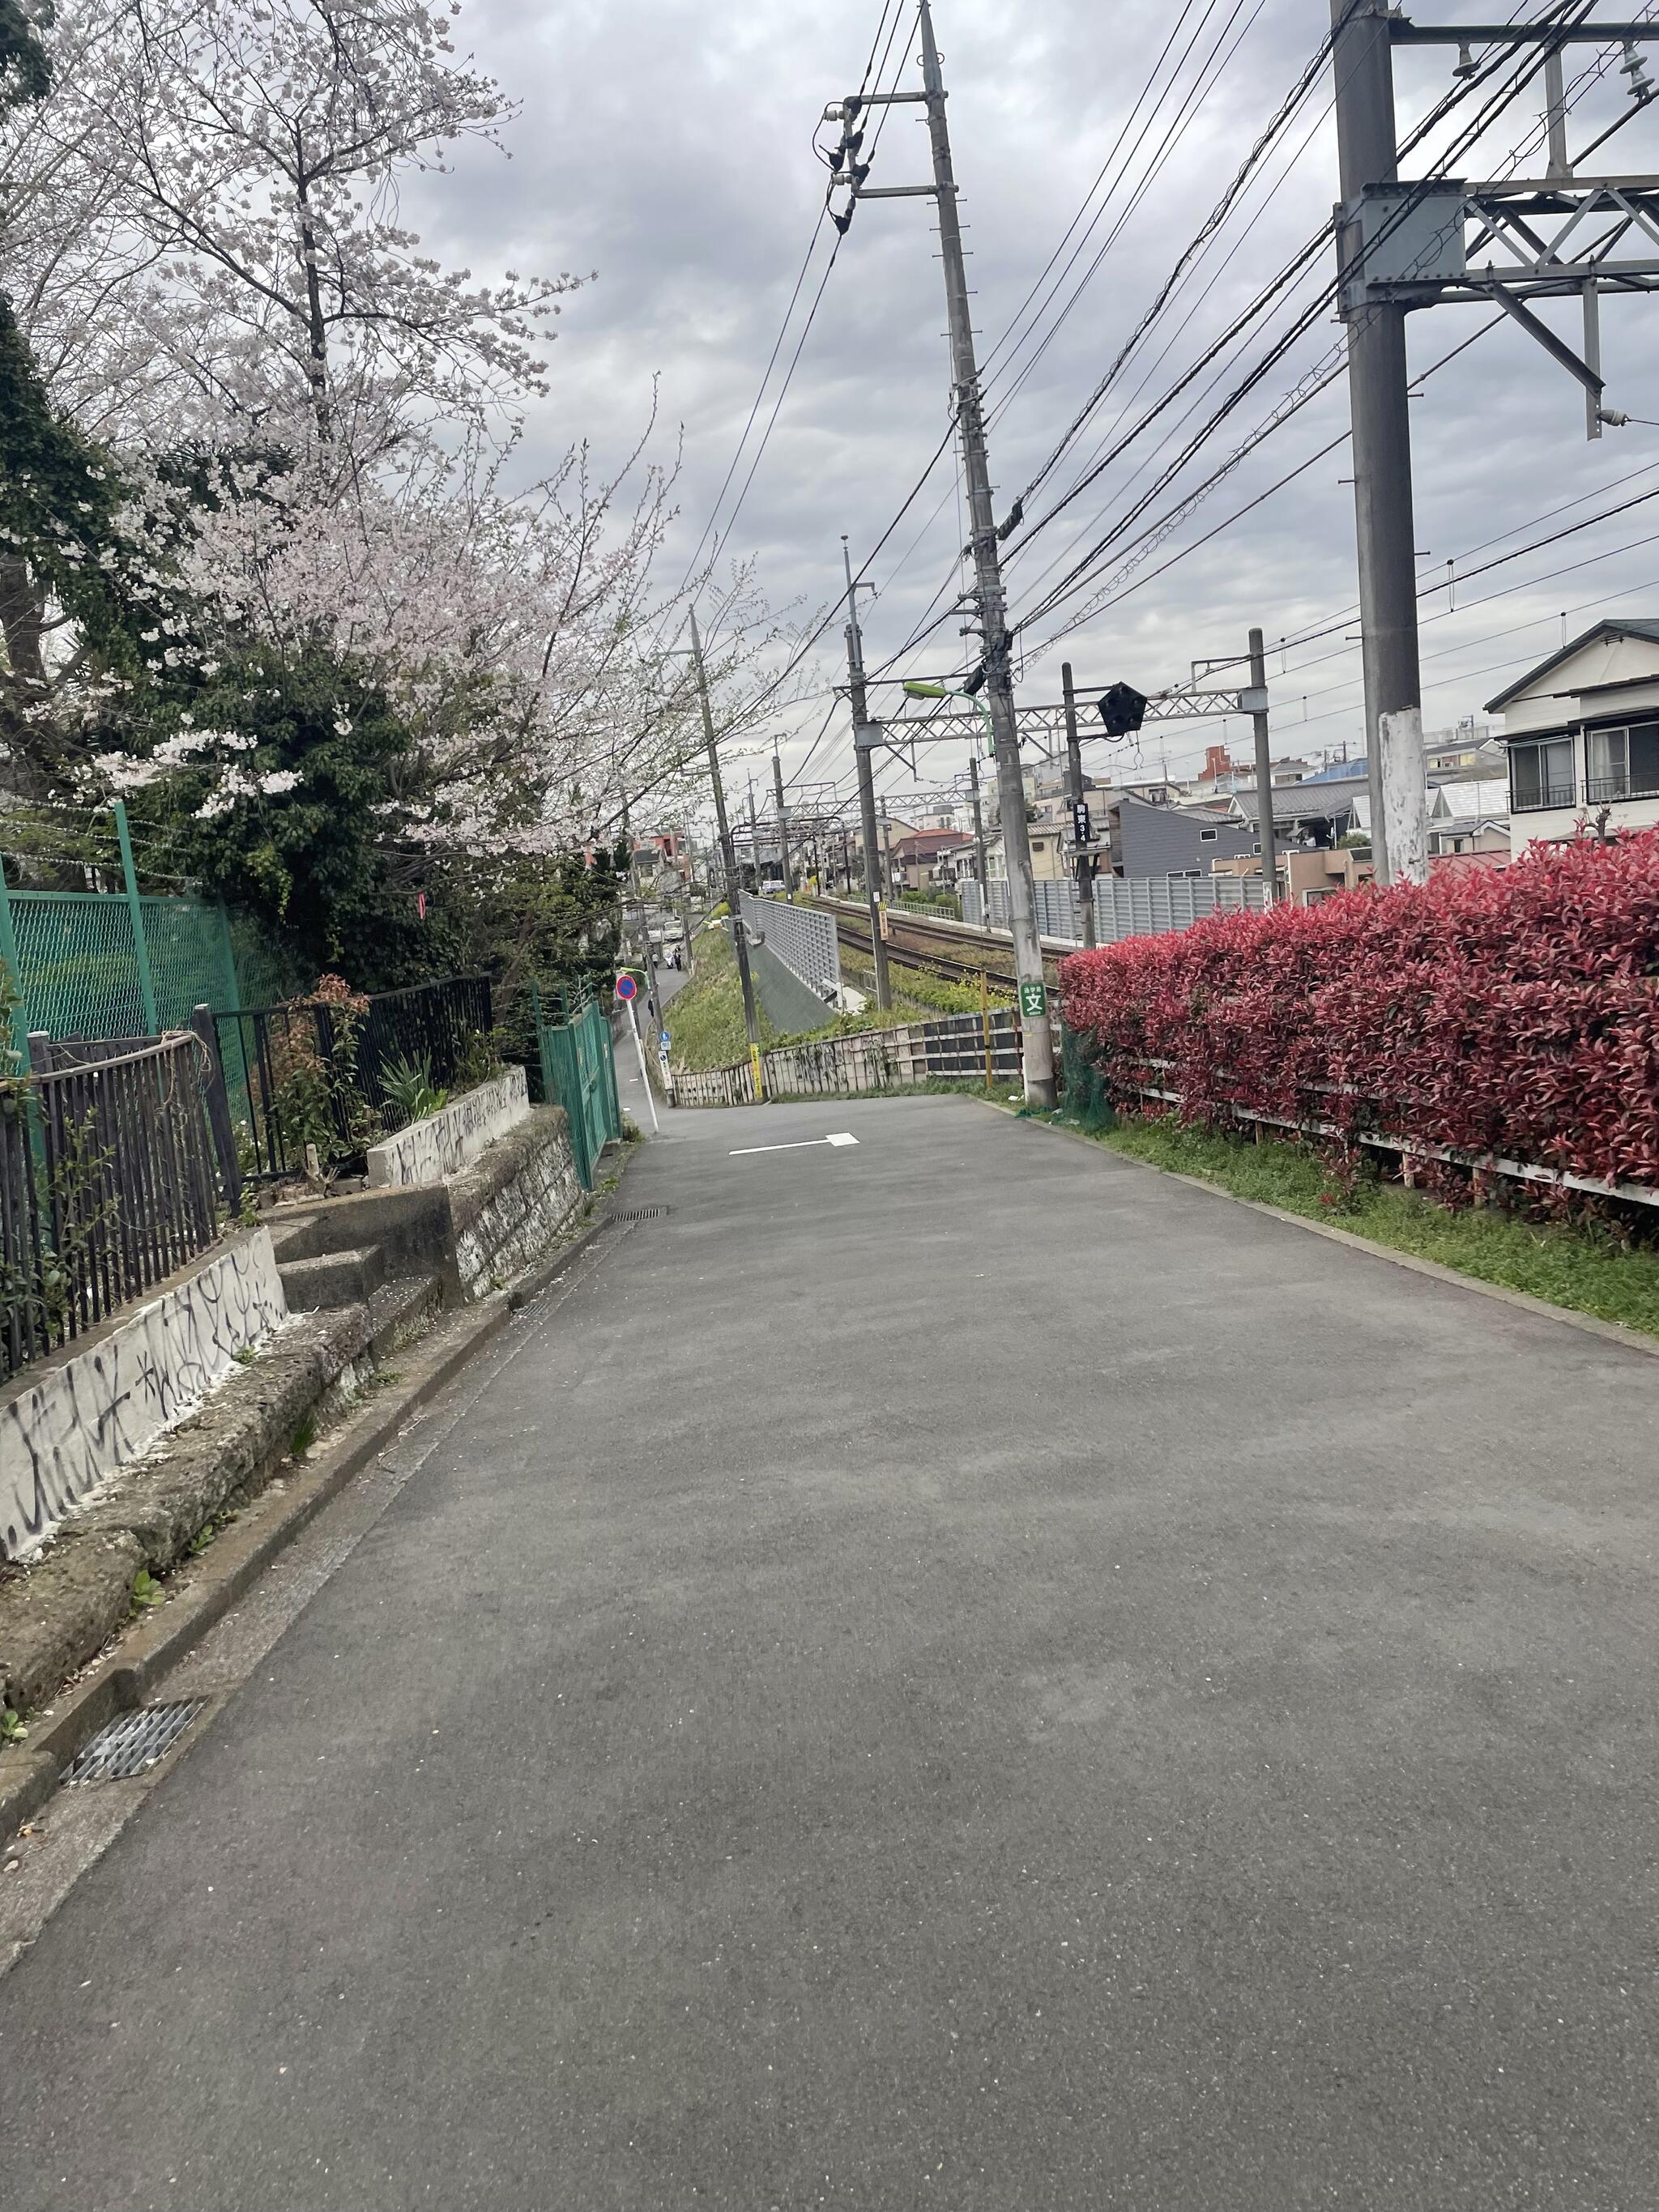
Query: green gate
[[578, 1070]]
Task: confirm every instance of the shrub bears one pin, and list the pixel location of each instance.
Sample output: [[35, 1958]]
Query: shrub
[[1514, 1013]]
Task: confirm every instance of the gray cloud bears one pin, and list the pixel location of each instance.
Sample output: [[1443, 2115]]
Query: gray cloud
[[666, 145]]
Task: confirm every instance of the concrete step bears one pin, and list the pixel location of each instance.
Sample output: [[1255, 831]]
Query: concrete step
[[350, 1277], [402, 1312]]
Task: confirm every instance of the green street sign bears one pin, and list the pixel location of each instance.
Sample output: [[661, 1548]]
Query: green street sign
[[1033, 999]]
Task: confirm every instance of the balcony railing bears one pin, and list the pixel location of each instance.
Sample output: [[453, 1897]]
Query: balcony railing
[[1552, 794], [1604, 790]]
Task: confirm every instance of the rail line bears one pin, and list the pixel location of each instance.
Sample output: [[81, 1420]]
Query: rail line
[[914, 942]]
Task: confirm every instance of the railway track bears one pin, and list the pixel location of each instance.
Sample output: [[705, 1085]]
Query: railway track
[[961, 955]]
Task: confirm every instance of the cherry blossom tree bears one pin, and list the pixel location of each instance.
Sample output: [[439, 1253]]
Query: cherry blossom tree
[[205, 203]]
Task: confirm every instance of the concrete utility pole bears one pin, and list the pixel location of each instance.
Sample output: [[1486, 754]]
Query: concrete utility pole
[[1362, 59], [982, 867], [1038, 1051], [872, 873], [635, 909], [1264, 772], [728, 855], [1085, 861], [783, 822]]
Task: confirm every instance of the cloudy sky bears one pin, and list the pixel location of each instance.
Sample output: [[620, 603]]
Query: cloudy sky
[[668, 145]]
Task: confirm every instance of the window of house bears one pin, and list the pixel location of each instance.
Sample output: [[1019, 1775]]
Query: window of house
[[1622, 764], [1208, 836], [1540, 773]]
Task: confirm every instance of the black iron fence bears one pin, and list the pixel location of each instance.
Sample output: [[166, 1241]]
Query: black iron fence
[[114, 1171], [328, 1074]]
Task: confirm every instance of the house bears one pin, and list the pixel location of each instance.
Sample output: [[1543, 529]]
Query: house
[[1582, 730], [1317, 812], [1148, 839], [1467, 754], [924, 858], [1471, 817]]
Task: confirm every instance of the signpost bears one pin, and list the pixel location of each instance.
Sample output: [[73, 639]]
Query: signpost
[[627, 991]]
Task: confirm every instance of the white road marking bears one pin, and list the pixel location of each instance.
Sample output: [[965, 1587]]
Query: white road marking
[[800, 1144]]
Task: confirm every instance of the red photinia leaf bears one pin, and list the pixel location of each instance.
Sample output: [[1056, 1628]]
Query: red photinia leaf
[[1515, 1012]]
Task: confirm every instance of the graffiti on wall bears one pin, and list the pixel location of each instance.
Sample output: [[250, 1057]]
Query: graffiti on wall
[[76, 1418]]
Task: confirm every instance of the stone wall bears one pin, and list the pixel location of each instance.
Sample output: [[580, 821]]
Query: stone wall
[[447, 1142], [74, 1418], [509, 1211]]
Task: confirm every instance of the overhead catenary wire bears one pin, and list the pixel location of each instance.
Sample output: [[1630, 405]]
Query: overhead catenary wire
[[1081, 569]]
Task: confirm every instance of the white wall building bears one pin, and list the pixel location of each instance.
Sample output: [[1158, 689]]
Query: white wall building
[[1583, 734]]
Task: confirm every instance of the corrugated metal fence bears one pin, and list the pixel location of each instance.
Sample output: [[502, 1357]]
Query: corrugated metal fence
[[1125, 906]]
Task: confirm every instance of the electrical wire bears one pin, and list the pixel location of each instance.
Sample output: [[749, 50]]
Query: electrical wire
[[1080, 570]]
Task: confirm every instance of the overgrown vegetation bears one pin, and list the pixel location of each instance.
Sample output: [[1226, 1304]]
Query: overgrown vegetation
[[1589, 1267], [705, 1020]]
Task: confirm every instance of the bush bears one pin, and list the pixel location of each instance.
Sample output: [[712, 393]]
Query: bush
[[1511, 1012]]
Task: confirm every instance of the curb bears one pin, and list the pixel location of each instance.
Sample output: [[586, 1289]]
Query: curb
[[1612, 1332], [125, 1678]]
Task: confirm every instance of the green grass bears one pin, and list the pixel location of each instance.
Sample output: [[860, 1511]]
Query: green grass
[[1585, 1269], [705, 1018], [919, 995]]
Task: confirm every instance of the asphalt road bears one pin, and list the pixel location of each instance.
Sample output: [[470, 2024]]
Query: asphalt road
[[955, 1672]]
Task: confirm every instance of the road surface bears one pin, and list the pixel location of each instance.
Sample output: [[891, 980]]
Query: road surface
[[947, 1670]]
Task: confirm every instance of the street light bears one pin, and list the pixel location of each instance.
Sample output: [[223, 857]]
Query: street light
[[917, 688]]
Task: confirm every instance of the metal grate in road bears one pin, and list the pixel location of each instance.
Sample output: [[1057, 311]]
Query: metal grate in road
[[132, 1744], [643, 1213]]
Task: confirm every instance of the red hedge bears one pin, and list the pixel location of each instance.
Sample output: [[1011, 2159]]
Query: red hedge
[[1514, 1013]]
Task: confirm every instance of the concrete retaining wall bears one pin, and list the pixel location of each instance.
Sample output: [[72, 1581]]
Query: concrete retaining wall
[[507, 1214], [448, 1141], [73, 1419]]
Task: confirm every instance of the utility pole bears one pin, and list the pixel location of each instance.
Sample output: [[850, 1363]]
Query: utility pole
[[872, 873], [1038, 1050], [1264, 772], [981, 866], [1362, 58], [728, 858], [886, 841], [783, 822], [1081, 826], [635, 906]]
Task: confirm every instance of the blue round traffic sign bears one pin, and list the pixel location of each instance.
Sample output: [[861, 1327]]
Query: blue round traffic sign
[[626, 987]]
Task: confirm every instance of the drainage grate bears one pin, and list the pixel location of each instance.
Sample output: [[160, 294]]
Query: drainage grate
[[643, 1213], [132, 1744]]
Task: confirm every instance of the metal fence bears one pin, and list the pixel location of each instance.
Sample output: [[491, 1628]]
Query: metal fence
[[962, 1048], [1125, 906], [579, 1073], [803, 938], [310, 1071], [109, 1179], [100, 963]]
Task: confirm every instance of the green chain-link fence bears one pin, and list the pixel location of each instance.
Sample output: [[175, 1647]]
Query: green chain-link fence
[[83, 969]]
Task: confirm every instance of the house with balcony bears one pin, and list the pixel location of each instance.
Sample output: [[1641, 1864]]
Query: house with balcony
[[1582, 730]]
